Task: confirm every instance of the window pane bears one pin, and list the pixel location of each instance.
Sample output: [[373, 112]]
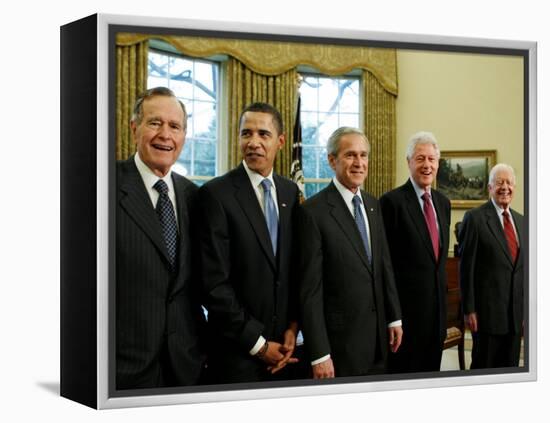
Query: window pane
[[308, 93], [313, 188], [195, 83], [327, 104], [349, 120], [328, 93], [309, 127], [349, 103], [203, 114]]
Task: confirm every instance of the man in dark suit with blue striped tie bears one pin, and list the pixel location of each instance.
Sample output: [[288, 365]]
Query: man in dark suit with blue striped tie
[[350, 311], [158, 311], [246, 252]]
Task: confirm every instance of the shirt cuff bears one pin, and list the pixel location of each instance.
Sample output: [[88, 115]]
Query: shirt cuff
[[320, 360], [259, 344], [395, 324]]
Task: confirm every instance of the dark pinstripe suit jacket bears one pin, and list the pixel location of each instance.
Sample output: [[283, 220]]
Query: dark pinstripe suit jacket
[[158, 313]]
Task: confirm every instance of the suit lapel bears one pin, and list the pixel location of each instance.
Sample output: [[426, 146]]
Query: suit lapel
[[417, 217], [182, 203], [247, 200], [518, 222], [137, 203], [344, 219], [496, 229], [284, 200], [370, 208], [442, 222]]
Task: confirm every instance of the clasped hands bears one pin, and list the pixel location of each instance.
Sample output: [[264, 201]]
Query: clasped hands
[[278, 355]]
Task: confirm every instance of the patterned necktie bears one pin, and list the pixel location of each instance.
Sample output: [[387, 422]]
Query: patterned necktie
[[360, 221], [270, 214], [510, 236], [167, 218], [429, 215]]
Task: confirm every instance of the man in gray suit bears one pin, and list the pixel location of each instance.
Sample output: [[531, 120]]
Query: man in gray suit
[[158, 312], [491, 274], [349, 305]]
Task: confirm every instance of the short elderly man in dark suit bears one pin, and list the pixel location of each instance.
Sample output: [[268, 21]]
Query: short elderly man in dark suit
[[348, 300], [246, 243], [158, 311], [491, 274], [417, 220]]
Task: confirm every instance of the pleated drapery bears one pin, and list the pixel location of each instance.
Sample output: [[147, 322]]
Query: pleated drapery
[[131, 80], [267, 71]]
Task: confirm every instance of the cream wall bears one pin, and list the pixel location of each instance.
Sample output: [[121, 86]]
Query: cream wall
[[469, 101]]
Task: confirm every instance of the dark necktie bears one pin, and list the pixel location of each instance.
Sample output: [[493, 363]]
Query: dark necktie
[[510, 235], [360, 221], [270, 214], [429, 216], [167, 218]]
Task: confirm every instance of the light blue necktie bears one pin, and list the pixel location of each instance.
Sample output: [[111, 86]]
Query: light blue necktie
[[270, 214], [360, 221]]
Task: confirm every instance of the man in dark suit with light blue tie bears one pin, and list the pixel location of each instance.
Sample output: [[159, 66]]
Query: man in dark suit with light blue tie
[[350, 312], [246, 252], [158, 309], [491, 242]]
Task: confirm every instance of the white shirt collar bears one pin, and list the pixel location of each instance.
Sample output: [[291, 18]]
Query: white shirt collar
[[149, 178], [499, 209], [346, 194], [419, 191], [256, 179]]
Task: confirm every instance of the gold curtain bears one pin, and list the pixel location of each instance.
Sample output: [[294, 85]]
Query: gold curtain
[[266, 71], [277, 57], [379, 126], [131, 80], [245, 87]]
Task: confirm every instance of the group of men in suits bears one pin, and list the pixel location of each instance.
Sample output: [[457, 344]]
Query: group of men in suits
[[363, 280]]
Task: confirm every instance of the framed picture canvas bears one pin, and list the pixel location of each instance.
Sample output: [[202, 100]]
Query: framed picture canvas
[[463, 176], [413, 70]]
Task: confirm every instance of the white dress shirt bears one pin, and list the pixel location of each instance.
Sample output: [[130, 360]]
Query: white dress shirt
[[150, 179]]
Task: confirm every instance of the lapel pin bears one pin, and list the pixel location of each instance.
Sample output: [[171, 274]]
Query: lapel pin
[[283, 204]]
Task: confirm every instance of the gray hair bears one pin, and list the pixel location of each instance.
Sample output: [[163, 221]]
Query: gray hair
[[501, 167], [422, 137], [137, 114], [333, 143]]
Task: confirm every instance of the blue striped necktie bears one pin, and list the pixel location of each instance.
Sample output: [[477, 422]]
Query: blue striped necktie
[[360, 221], [270, 214]]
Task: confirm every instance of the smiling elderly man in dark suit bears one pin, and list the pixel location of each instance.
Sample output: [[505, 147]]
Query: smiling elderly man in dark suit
[[158, 311], [491, 274], [417, 220], [246, 242], [348, 300]]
